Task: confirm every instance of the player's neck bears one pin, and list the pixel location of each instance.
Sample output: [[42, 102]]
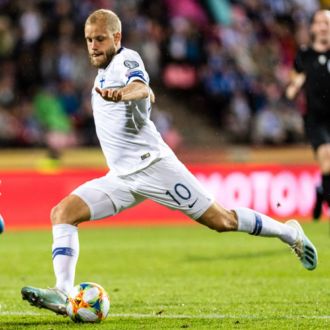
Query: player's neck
[[320, 46], [118, 50]]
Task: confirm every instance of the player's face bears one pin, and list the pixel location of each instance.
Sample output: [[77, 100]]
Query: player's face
[[102, 45], [320, 27]]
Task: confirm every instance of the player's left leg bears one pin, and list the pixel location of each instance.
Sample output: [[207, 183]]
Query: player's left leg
[[169, 182], [246, 220], [258, 224]]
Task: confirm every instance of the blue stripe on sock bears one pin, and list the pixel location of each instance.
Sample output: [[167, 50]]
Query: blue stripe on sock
[[66, 251], [258, 225]]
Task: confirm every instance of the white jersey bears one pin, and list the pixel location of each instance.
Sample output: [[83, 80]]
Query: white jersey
[[128, 138]]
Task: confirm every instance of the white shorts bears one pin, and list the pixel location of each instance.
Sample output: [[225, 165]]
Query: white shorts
[[167, 182]]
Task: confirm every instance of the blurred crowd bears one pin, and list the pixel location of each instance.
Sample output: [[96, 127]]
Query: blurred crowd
[[229, 60]]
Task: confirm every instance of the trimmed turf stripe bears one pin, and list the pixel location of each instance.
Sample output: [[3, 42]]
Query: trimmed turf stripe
[[180, 316]]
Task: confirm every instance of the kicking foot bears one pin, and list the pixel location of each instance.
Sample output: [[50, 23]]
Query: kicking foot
[[317, 211], [52, 299], [303, 247]]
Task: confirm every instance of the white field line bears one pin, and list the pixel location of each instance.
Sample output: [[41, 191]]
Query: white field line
[[17, 313], [218, 316], [184, 316]]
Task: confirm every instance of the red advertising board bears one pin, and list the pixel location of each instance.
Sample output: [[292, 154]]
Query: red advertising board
[[281, 191]]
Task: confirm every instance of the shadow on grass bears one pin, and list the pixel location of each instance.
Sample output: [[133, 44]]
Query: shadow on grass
[[33, 324], [235, 256], [43, 324]]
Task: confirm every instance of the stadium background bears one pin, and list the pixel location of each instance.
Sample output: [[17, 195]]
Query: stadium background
[[218, 69]]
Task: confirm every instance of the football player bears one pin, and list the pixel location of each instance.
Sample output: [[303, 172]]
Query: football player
[[141, 166]]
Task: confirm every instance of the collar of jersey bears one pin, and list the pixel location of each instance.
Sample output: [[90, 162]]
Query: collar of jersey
[[118, 51]]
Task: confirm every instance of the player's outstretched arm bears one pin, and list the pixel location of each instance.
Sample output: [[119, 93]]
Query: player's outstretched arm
[[137, 90], [296, 82]]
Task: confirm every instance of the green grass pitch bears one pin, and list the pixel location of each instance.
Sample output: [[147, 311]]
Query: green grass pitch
[[174, 278]]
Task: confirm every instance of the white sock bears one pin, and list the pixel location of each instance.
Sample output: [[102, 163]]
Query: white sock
[[255, 223], [65, 255]]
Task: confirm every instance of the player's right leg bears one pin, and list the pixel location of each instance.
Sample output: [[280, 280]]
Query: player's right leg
[[95, 199], [65, 218]]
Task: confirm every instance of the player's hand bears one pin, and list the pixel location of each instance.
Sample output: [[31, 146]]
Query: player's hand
[[108, 94]]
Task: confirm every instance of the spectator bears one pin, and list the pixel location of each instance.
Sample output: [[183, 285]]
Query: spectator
[[58, 130], [164, 124], [228, 49]]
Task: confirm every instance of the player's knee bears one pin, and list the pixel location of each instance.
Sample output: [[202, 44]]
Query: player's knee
[[59, 215], [55, 215], [72, 210]]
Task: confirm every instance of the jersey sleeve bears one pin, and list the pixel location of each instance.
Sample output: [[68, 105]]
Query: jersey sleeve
[[134, 69], [299, 61]]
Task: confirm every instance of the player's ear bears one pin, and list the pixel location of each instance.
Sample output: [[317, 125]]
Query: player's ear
[[117, 38], [152, 95]]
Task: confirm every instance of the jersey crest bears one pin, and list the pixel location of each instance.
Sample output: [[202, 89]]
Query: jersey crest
[[102, 81]]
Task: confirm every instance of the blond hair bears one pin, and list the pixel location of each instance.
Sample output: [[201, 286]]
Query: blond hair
[[107, 17]]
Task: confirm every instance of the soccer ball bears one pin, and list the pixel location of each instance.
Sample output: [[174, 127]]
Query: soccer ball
[[88, 302], [2, 224]]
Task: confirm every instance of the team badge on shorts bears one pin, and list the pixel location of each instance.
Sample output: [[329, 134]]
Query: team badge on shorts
[[145, 156]]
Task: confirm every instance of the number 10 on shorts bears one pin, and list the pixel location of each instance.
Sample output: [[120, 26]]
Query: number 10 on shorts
[[180, 192]]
